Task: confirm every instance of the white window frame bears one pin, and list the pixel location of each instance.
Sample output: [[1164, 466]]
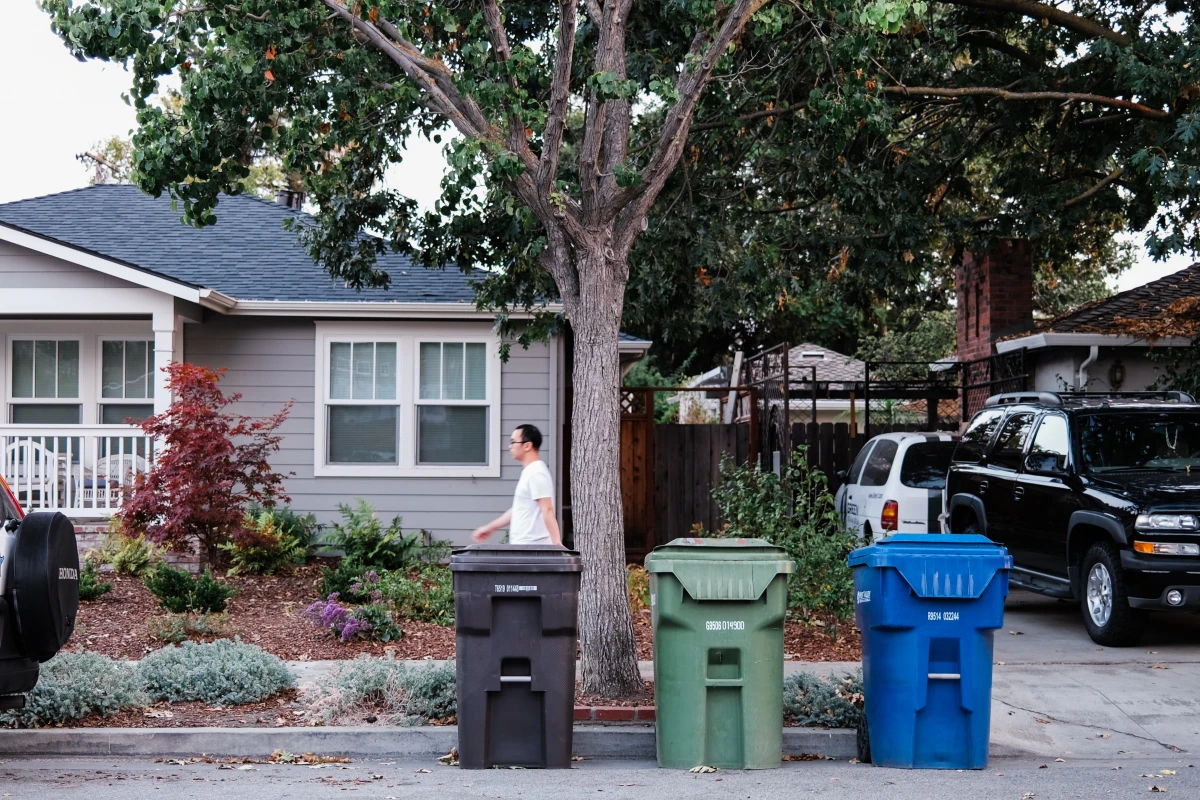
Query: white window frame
[[11, 400], [407, 336], [87, 332], [151, 377]]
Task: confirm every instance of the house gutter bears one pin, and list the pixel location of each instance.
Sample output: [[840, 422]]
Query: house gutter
[[1039, 341], [214, 300], [1081, 377]]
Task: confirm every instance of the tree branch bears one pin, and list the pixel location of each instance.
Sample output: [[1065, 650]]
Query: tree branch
[[560, 93], [1112, 177], [1004, 94], [751, 117], [462, 112], [516, 126], [1000, 46], [632, 204], [1062, 19]]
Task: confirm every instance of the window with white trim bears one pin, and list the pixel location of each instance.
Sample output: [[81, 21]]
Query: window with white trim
[[126, 376], [407, 399], [452, 407], [45, 382], [362, 411]]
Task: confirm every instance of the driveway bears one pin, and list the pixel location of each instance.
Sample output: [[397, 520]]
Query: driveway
[[1056, 692]]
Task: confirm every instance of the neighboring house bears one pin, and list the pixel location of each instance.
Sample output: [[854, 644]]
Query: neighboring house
[[1089, 349], [838, 378], [400, 394]]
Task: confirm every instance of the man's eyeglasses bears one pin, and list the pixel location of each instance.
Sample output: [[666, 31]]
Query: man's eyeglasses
[[515, 441]]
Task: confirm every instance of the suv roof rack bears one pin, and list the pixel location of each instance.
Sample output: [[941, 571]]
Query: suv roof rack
[[1058, 399]]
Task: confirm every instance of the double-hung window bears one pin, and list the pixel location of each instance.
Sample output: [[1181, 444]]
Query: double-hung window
[[407, 399], [45, 381], [452, 407], [126, 380], [363, 412]]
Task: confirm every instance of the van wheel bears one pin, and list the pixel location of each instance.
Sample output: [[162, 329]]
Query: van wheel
[[971, 526], [1106, 612]]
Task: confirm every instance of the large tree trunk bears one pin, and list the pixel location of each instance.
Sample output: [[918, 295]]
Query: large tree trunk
[[609, 656]]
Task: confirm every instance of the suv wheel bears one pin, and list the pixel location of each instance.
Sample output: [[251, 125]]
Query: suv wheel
[[1106, 612]]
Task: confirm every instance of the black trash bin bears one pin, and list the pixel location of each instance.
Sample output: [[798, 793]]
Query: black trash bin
[[516, 629]]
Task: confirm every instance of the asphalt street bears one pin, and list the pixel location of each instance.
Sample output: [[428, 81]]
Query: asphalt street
[[1006, 779]]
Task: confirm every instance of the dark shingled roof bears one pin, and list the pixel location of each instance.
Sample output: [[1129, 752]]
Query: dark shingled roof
[[1144, 302], [247, 255]]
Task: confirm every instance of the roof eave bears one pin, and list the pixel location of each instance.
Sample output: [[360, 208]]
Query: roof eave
[[370, 309], [1040, 341]]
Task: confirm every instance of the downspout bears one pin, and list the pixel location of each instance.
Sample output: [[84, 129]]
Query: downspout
[[1081, 379]]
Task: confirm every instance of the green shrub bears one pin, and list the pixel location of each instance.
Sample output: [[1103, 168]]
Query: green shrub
[[264, 545], [223, 672], [831, 702], [395, 692], [364, 540], [178, 592], [797, 514], [75, 684], [135, 556], [90, 586], [339, 579], [303, 527], [176, 628], [637, 582], [426, 595]]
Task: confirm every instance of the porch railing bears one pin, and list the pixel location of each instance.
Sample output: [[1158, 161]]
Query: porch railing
[[82, 470]]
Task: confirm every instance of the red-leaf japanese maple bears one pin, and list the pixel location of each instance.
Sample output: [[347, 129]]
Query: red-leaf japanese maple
[[210, 464]]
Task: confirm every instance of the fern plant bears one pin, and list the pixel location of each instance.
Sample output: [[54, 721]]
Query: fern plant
[[264, 545], [366, 543]]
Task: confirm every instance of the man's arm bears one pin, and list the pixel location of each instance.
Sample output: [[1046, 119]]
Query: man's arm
[[546, 504], [484, 531]]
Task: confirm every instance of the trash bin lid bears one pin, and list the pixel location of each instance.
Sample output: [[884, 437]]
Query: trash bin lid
[[515, 558], [721, 569], [936, 564]]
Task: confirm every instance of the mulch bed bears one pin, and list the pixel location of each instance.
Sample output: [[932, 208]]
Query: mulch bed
[[266, 612]]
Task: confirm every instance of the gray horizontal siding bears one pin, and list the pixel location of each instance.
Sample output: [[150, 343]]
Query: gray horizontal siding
[[22, 268], [271, 361]]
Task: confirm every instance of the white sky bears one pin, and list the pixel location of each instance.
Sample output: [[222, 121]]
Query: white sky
[[53, 107]]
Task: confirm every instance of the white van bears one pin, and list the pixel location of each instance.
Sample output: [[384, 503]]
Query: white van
[[895, 484]]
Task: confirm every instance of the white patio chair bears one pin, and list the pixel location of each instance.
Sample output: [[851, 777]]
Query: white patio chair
[[34, 472], [101, 488]]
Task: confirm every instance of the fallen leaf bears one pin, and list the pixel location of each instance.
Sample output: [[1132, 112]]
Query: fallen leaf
[[1167, 771], [703, 769], [1105, 735], [1016, 633], [1028, 796], [1159, 666], [1146, 775], [1157, 789], [854, 761], [1044, 766], [1060, 761], [246, 767], [422, 771], [578, 758], [1043, 721]]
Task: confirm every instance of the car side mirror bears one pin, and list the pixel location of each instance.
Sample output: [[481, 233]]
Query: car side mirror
[[842, 475]]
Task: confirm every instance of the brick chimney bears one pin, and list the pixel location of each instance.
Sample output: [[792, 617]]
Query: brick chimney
[[995, 297]]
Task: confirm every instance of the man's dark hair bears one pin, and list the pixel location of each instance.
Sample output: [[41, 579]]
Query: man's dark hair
[[532, 435]]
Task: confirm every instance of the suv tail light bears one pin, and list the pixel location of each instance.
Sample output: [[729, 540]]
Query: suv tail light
[[891, 516]]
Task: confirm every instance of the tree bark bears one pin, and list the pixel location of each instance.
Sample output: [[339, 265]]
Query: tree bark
[[609, 655]]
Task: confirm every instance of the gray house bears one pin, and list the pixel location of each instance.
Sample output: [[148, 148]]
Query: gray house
[[400, 395]]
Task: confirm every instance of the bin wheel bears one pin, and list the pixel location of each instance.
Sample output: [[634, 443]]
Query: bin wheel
[[863, 741]]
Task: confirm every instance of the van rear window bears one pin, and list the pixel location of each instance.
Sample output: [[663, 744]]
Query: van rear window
[[926, 464]]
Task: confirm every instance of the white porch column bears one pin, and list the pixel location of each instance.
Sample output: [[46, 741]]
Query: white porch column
[[168, 347]]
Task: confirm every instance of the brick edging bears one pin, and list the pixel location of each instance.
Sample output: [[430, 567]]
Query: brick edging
[[614, 713]]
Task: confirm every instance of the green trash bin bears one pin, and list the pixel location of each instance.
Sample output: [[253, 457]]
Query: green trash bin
[[718, 608]]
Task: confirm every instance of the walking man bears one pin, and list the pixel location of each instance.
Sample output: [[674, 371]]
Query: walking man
[[531, 519]]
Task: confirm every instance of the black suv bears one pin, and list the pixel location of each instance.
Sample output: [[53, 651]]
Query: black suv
[[1093, 495]]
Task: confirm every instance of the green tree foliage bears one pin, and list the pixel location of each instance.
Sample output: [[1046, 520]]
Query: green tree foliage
[[933, 337]]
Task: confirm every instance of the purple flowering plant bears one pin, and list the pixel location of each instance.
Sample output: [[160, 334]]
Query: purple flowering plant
[[368, 621]]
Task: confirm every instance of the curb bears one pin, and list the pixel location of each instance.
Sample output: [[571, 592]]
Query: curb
[[634, 742], [614, 713]]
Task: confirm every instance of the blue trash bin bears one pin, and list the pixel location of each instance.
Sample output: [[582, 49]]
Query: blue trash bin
[[927, 606]]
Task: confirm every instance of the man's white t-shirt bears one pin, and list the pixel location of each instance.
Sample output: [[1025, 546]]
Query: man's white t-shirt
[[528, 526]]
